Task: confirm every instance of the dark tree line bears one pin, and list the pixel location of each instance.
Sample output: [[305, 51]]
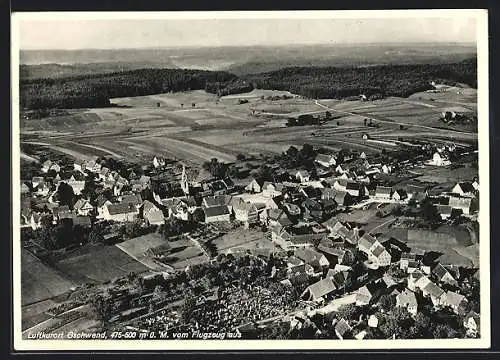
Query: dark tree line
[[96, 90], [374, 81]]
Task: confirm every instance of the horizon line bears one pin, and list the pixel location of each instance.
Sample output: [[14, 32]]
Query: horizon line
[[463, 43]]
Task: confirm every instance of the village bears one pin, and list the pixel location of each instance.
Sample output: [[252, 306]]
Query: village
[[306, 244]]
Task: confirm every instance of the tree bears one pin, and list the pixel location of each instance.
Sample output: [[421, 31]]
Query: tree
[[430, 212], [421, 328], [387, 302], [444, 331], [198, 215], [348, 312], [95, 236], [101, 307], [187, 308], [172, 227], [398, 323], [66, 195], [132, 229], [240, 157]]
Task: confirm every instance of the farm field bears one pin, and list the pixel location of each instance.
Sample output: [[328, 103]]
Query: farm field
[[98, 264], [222, 128], [40, 282]]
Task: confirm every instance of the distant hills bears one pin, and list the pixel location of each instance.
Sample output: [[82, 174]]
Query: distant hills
[[37, 64]]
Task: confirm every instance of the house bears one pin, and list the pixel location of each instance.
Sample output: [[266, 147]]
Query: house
[[254, 186], [302, 176], [414, 280], [464, 188], [435, 293], [43, 189], [133, 199], [244, 211], [289, 241], [272, 190], [46, 166], [145, 181], [408, 300], [121, 212], [325, 160], [455, 301], [35, 221], [36, 180], [103, 173], [472, 323], [216, 213], [475, 185], [399, 195], [443, 275], [319, 291], [405, 260], [158, 162], [180, 207], [376, 252], [363, 155], [152, 214], [373, 321], [273, 217], [342, 329], [334, 255], [217, 200], [76, 185], [366, 293], [438, 160], [310, 192], [466, 205], [312, 209], [101, 203], [444, 211], [315, 259], [83, 207], [386, 169], [383, 192]]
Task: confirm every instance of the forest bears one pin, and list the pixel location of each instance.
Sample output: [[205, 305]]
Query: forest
[[312, 82]]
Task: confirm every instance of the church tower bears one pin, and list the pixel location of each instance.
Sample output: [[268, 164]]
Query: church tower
[[184, 181]]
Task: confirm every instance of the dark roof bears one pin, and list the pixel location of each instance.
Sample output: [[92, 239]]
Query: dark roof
[[215, 210], [322, 288], [383, 190], [217, 200], [466, 186], [134, 199], [352, 185], [121, 208]]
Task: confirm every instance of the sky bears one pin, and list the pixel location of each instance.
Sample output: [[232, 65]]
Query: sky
[[60, 33]]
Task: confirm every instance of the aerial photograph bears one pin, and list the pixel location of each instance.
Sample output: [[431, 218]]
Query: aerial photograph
[[192, 179]]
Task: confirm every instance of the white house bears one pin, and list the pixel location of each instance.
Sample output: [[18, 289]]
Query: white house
[[302, 176], [83, 207], [464, 188], [408, 300], [376, 252], [254, 186], [121, 212], [325, 160], [439, 160]]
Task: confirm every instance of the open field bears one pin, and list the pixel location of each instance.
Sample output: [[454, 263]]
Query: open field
[[40, 282], [242, 238], [98, 264]]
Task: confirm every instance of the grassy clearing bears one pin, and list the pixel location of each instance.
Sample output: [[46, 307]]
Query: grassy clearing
[[98, 264], [38, 281], [240, 237]]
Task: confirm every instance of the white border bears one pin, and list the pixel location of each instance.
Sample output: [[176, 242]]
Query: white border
[[481, 17]]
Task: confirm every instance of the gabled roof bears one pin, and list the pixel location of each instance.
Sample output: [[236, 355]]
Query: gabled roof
[[407, 298], [383, 190], [474, 315], [453, 299], [352, 185], [311, 204], [81, 203], [324, 158], [332, 251], [342, 327], [217, 200], [121, 208], [218, 185], [321, 288], [215, 210], [378, 250], [307, 255], [366, 242], [134, 199], [241, 205], [148, 206], [100, 200], [466, 186], [433, 290], [154, 216]]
